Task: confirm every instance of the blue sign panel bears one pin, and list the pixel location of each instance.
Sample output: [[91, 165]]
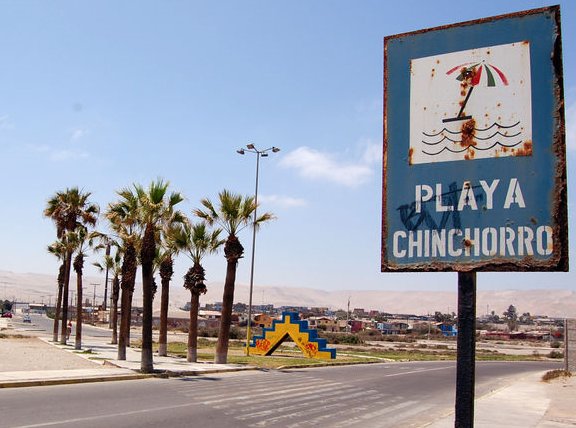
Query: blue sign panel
[[474, 147]]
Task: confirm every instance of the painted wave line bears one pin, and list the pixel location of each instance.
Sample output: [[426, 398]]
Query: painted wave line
[[475, 138], [497, 143], [475, 129]]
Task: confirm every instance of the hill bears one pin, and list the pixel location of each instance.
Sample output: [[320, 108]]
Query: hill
[[554, 303]]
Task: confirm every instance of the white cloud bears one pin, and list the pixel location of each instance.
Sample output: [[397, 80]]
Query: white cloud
[[77, 134], [571, 127], [314, 164], [56, 155], [282, 201], [39, 148], [372, 152], [64, 155], [5, 122]]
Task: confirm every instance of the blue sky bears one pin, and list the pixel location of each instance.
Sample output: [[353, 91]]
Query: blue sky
[[103, 94]]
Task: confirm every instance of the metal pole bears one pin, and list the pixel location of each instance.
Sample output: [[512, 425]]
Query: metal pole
[[106, 280], [252, 149], [94, 305], [249, 325], [466, 350]]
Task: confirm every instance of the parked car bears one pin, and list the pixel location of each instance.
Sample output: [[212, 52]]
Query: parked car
[[7, 315], [26, 318]]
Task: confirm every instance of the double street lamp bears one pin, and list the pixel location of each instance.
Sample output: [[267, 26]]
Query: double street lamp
[[250, 148]]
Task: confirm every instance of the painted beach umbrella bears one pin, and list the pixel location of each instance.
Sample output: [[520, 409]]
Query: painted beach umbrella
[[476, 71], [472, 73]]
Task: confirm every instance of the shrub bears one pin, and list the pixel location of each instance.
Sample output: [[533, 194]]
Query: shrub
[[207, 332], [556, 354], [556, 344], [553, 374], [237, 333], [341, 338]]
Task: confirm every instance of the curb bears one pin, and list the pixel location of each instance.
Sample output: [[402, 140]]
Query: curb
[[343, 363], [71, 381]]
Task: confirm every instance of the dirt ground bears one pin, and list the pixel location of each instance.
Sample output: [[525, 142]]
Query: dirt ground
[[31, 354]]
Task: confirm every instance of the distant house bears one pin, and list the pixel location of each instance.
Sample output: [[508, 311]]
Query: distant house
[[355, 326], [177, 318], [263, 320], [447, 329], [324, 323], [397, 327]]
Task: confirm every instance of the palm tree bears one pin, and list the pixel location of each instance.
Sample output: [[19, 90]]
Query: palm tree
[[69, 209], [155, 206], [123, 218], [233, 214], [171, 245], [197, 241], [112, 264]]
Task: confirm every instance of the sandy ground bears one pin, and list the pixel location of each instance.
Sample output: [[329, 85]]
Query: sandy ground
[[31, 353]]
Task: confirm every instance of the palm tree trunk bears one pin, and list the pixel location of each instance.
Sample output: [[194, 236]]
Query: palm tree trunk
[[129, 317], [163, 336], [221, 356], [78, 341], [124, 326], [63, 332], [129, 269], [58, 302], [58, 314], [192, 355], [114, 309], [147, 254], [147, 362]]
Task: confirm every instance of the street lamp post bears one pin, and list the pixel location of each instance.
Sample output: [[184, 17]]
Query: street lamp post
[[106, 280], [250, 148]]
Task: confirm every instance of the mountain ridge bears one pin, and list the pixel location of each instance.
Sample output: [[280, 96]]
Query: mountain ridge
[[559, 303]]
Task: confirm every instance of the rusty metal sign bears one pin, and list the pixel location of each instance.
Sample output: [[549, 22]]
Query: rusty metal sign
[[474, 147]]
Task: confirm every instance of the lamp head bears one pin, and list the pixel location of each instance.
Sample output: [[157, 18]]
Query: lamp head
[[275, 149], [240, 152], [250, 146]]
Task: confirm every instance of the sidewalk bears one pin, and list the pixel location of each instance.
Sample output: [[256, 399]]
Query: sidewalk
[[106, 366], [527, 402]]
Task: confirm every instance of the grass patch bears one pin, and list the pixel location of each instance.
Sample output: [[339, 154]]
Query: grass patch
[[350, 355], [555, 374], [289, 355], [283, 356]]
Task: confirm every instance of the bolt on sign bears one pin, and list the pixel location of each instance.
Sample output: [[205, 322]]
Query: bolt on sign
[[474, 147]]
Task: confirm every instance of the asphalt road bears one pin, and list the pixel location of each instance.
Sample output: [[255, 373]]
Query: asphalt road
[[45, 324], [380, 395]]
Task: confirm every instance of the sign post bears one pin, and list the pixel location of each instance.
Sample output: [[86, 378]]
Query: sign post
[[474, 165], [466, 350]]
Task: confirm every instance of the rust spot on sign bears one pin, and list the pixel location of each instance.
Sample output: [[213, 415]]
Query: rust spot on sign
[[468, 129], [410, 154], [470, 154], [525, 150]]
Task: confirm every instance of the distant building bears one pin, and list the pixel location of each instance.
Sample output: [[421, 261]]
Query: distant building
[[324, 323], [447, 329], [177, 318]]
